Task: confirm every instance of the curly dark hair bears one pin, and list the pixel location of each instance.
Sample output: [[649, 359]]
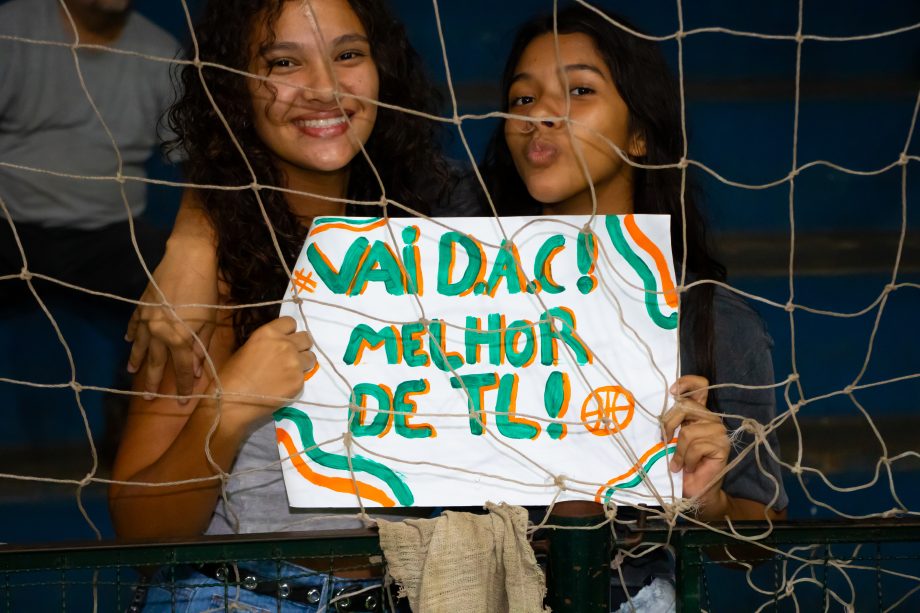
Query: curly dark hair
[[403, 146], [648, 88]]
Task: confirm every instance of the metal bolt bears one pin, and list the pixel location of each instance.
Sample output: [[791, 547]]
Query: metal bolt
[[221, 573], [370, 603], [313, 596], [284, 590], [343, 603], [250, 582]]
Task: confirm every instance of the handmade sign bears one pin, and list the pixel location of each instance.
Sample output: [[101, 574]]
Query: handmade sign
[[465, 360]]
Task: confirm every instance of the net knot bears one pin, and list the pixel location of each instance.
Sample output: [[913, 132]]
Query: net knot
[[903, 159], [683, 163], [610, 510], [849, 389], [617, 560], [383, 202], [895, 512], [367, 520], [749, 425], [559, 480], [24, 274], [796, 470], [86, 480], [799, 37], [789, 307], [76, 386], [347, 440], [793, 377], [424, 321], [891, 287]]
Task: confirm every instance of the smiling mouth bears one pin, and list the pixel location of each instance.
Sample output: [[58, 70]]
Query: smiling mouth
[[320, 123], [323, 125]]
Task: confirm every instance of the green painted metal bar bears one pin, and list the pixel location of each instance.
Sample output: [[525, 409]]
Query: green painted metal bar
[[578, 574], [689, 579], [125, 554]]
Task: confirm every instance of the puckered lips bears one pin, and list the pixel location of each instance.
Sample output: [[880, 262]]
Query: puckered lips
[[541, 153]]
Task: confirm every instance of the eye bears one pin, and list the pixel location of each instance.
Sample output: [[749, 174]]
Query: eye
[[522, 100], [352, 54], [580, 91], [281, 62]]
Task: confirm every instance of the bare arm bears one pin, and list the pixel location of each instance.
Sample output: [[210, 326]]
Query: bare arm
[[165, 441], [186, 275]]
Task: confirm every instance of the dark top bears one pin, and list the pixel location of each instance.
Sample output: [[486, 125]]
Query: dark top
[[743, 355]]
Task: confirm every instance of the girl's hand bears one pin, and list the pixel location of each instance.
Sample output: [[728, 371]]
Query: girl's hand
[[702, 445], [268, 370], [159, 333]]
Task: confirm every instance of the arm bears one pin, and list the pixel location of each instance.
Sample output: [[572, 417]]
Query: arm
[[186, 275], [164, 441]]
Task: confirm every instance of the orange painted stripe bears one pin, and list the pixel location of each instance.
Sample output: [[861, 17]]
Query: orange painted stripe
[[336, 484], [645, 456], [667, 283], [309, 374], [343, 226]]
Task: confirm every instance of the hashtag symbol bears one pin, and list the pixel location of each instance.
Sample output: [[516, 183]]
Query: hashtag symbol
[[303, 282]]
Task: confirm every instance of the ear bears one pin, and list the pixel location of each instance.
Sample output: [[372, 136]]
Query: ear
[[636, 148]]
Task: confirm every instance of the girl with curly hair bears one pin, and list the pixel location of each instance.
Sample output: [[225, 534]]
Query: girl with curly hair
[[300, 127]]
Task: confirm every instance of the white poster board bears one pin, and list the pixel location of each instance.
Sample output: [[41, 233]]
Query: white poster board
[[483, 362]]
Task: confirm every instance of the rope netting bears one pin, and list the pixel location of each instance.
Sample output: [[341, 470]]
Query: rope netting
[[798, 562]]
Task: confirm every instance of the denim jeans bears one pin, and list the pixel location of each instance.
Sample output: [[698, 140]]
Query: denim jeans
[[186, 590]]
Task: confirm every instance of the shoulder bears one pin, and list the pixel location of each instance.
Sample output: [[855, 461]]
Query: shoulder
[[461, 197], [146, 37], [25, 17]]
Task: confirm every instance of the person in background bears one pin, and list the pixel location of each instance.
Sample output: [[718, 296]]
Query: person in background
[[79, 230]]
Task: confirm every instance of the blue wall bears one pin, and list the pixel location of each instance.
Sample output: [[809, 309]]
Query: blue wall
[[858, 98]]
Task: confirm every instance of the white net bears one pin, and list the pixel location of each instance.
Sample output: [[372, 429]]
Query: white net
[[833, 497]]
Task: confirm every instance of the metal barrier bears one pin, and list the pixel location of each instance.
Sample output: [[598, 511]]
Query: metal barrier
[[847, 566]]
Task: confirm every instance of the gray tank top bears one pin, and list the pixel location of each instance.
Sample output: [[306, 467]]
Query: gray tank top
[[256, 500]]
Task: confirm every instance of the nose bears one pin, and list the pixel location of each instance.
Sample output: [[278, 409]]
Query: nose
[[320, 86], [542, 114]]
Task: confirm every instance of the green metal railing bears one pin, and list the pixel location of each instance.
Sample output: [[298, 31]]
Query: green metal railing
[[714, 571]]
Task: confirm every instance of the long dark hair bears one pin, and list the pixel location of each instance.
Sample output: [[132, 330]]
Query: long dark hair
[[647, 87], [403, 146]]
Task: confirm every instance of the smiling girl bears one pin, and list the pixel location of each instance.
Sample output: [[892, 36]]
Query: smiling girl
[[303, 128]]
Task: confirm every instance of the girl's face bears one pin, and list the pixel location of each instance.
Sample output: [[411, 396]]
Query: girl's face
[[295, 113], [544, 152]]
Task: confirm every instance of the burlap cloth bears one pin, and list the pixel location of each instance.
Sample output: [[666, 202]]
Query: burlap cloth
[[465, 562]]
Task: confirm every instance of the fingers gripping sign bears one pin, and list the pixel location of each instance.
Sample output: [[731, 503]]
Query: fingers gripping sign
[[702, 442], [268, 370]]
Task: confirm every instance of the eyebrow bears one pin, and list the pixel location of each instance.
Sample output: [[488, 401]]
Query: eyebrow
[[353, 37], [569, 68]]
